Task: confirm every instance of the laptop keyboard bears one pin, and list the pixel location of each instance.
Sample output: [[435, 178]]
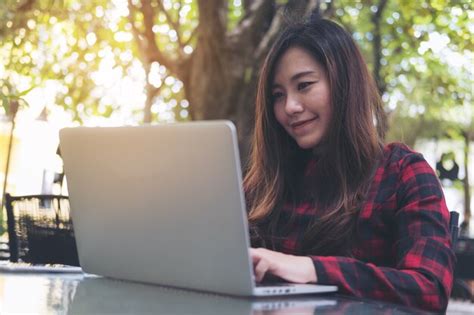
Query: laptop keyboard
[[274, 284]]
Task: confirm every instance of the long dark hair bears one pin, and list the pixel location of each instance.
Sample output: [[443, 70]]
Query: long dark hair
[[353, 143]]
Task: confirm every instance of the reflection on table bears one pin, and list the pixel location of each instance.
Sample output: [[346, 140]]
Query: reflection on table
[[86, 294]]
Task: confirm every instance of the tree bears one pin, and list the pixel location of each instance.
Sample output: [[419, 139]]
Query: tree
[[200, 59], [214, 48], [219, 73]]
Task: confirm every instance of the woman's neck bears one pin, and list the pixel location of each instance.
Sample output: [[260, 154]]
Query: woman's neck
[[319, 150]]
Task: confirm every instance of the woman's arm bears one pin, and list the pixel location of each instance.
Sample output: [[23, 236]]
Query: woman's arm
[[423, 274], [424, 261]]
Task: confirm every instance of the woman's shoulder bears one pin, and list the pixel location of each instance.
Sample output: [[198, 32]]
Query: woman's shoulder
[[406, 162], [398, 153]]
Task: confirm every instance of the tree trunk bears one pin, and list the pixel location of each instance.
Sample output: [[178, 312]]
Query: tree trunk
[[217, 89], [466, 185], [13, 110], [377, 46], [223, 71], [220, 75]]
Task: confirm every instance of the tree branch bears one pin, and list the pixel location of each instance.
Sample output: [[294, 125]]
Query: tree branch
[[152, 52], [26, 6], [315, 5], [174, 24], [277, 23], [330, 10], [259, 13], [193, 34], [380, 9], [377, 46], [212, 19], [293, 11], [246, 4], [136, 33]]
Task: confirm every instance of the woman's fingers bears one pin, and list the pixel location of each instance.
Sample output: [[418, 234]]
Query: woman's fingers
[[254, 255], [291, 268], [260, 263], [260, 269]]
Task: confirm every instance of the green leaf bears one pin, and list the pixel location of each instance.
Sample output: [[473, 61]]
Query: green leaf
[[24, 92], [5, 104]]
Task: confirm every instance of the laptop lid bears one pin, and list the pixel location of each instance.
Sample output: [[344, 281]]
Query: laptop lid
[[163, 204], [160, 204]]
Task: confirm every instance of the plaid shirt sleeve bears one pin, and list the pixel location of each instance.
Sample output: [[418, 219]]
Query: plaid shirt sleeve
[[422, 273]]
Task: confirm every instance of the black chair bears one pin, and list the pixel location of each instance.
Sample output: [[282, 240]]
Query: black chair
[[40, 230], [4, 251], [454, 227], [464, 250]]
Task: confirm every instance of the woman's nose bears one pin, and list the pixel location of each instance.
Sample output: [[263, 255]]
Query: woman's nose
[[293, 105]]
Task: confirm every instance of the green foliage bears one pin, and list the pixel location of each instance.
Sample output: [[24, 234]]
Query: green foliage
[[69, 42], [429, 90], [12, 99]]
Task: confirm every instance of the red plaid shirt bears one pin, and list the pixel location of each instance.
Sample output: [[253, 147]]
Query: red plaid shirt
[[403, 251]]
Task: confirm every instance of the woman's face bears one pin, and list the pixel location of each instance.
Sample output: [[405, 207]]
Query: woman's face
[[301, 97]]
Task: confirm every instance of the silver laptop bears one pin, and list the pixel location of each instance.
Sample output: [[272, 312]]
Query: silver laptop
[[163, 204]]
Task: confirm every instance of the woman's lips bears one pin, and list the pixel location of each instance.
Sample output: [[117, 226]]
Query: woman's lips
[[301, 124]]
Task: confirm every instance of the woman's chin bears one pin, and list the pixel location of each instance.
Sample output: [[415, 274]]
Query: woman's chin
[[306, 145], [308, 142]]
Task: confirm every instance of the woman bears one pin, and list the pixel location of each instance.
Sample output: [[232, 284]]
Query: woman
[[329, 202]]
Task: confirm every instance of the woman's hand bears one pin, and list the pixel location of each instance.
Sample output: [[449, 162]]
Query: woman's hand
[[296, 269]]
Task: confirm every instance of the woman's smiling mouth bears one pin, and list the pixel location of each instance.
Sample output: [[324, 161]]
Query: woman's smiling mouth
[[299, 125]]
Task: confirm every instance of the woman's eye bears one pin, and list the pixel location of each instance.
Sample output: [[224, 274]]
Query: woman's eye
[[303, 85], [277, 95]]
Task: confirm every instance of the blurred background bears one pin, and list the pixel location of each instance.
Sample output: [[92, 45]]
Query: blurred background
[[130, 62]]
